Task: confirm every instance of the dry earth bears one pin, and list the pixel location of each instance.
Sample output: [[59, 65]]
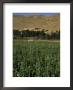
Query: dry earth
[[47, 23]]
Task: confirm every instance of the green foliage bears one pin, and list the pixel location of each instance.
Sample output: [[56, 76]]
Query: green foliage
[[36, 59], [36, 35]]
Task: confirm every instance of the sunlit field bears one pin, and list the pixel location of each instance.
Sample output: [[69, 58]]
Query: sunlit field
[[36, 58]]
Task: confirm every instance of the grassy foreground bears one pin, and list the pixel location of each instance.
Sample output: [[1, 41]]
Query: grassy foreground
[[36, 58]]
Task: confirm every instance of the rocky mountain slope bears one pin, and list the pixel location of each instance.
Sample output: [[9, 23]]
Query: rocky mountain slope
[[47, 23]]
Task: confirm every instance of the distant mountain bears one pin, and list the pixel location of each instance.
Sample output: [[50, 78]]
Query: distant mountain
[[47, 23]]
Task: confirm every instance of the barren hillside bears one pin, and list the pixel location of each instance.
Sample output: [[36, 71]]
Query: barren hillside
[[46, 23]]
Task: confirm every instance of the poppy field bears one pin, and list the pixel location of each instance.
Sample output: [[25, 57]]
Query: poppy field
[[36, 58]]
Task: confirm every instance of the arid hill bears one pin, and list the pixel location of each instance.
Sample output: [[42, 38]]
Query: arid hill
[[46, 23]]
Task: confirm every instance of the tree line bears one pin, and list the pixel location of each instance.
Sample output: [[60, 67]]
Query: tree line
[[26, 34]]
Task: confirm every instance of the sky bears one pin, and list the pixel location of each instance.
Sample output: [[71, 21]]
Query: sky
[[30, 14]]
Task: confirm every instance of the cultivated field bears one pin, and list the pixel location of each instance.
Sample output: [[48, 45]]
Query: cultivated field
[[35, 58]]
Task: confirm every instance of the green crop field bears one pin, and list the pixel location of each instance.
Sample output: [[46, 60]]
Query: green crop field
[[36, 58]]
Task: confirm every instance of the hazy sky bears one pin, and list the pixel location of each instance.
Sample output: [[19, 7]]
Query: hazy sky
[[30, 14]]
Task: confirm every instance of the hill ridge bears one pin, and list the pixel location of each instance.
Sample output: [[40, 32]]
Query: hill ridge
[[48, 23]]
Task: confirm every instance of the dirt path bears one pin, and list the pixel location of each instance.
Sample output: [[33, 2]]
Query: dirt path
[[54, 41]]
